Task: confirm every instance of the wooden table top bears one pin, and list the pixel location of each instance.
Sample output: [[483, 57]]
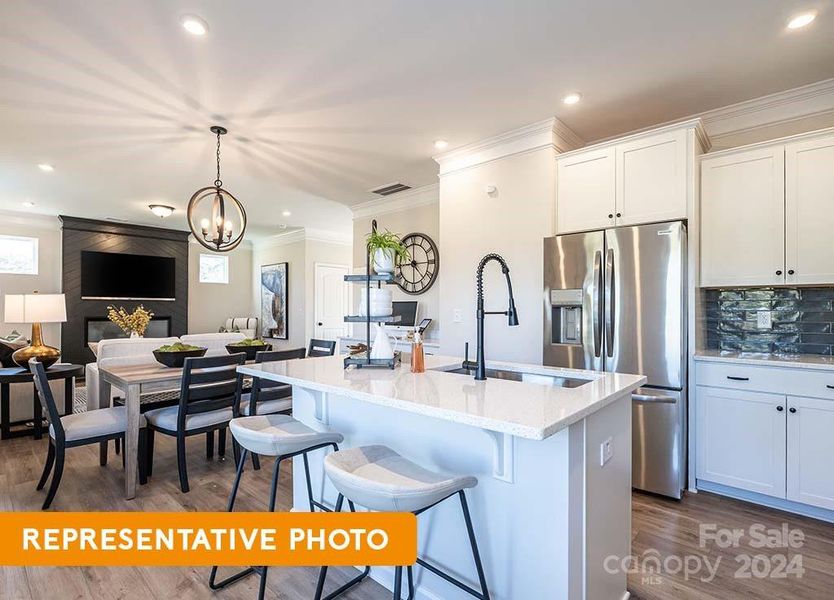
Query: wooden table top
[[144, 373]]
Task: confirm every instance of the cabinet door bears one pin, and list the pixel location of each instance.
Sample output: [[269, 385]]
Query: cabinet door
[[743, 219], [585, 191], [810, 450], [741, 439], [809, 211], [651, 179]]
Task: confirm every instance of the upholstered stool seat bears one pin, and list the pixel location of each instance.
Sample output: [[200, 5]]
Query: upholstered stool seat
[[380, 479], [278, 435]]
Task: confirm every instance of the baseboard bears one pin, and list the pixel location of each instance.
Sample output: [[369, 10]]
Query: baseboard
[[797, 508]]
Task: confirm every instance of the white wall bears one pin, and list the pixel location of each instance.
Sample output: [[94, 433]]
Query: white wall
[[424, 218], [210, 304], [48, 280], [510, 222]]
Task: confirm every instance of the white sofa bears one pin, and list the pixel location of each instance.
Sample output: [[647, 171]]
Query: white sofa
[[248, 326], [137, 351]]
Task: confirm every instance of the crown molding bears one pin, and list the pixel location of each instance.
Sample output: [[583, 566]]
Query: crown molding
[[769, 111], [549, 133], [408, 199], [788, 139], [303, 235], [41, 221]]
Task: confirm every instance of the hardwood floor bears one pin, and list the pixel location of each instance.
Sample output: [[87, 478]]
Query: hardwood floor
[[667, 527]]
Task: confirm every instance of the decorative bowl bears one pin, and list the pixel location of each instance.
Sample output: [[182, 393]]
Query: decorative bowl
[[249, 351], [177, 359]]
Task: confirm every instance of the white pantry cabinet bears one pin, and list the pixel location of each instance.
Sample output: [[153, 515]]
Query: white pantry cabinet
[[766, 213], [643, 178], [755, 432], [741, 439]]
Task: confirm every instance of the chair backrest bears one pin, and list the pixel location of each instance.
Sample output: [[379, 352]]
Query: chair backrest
[[47, 400], [215, 342], [210, 383], [264, 389], [321, 348], [130, 351], [274, 355]]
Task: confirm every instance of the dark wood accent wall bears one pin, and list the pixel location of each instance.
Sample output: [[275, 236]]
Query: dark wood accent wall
[[105, 236]]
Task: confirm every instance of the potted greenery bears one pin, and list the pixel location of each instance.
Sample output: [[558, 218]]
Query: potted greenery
[[386, 250]]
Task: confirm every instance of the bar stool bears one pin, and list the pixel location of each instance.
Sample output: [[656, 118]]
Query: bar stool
[[381, 480], [283, 437]]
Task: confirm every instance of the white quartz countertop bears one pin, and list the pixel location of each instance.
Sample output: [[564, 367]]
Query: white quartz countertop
[[794, 361], [529, 410]]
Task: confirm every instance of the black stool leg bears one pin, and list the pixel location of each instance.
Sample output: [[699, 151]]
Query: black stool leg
[[256, 462], [472, 542], [410, 572], [398, 583], [47, 466], [323, 572], [309, 483], [229, 508]]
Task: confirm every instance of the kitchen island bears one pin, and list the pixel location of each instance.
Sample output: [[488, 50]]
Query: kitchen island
[[551, 449]]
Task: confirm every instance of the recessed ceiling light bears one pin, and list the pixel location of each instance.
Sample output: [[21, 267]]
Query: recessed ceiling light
[[572, 98], [801, 20], [160, 210], [46, 168], [286, 213], [28, 204], [194, 25], [441, 144]]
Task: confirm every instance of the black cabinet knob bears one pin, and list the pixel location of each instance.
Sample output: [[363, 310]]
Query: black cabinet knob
[[792, 410], [619, 214], [610, 215], [780, 408], [779, 272], [791, 272], [320, 324]]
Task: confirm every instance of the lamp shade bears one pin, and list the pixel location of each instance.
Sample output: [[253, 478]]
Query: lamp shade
[[35, 308]]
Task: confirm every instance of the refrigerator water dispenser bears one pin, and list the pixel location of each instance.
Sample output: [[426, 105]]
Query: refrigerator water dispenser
[[566, 317]]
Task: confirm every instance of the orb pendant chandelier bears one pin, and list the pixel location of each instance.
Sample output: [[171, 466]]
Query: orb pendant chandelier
[[216, 218]]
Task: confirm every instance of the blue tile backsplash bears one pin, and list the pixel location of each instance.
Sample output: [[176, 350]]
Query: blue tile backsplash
[[803, 320]]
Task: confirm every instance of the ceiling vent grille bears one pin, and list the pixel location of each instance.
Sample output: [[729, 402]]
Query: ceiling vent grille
[[391, 188]]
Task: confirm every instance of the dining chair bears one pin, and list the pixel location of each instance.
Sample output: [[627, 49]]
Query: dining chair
[[321, 348], [210, 389], [77, 429]]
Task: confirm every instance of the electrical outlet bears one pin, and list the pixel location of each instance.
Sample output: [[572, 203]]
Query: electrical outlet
[[764, 319], [606, 451], [457, 316]]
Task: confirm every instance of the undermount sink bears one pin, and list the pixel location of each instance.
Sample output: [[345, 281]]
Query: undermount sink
[[554, 380]]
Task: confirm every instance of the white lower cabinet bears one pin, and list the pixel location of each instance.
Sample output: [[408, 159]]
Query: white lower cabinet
[[741, 439], [810, 451]]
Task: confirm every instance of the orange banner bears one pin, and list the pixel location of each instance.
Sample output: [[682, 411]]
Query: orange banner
[[204, 539]]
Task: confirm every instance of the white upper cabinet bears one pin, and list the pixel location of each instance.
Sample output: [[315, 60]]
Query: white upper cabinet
[[644, 178], [809, 211], [585, 191], [651, 179], [742, 218]]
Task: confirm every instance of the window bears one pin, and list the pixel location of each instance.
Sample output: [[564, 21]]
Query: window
[[18, 255], [214, 269]]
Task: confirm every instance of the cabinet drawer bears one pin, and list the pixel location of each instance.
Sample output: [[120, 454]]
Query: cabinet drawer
[[774, 380]]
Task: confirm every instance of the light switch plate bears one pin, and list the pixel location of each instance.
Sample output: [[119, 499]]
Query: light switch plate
[[764, 319], [606, 451]]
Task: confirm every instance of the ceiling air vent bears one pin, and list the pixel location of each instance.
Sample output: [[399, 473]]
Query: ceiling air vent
[[391, 188]]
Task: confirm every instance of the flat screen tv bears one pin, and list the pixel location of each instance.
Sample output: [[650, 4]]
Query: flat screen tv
[[117, 276]]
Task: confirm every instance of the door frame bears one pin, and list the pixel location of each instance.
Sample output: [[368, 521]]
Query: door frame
[[316, 266]]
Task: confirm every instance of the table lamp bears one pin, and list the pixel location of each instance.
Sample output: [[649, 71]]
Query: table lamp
[[36, 309]]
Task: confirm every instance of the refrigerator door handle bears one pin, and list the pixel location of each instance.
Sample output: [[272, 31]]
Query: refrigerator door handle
[[610, 300], [597, 304]]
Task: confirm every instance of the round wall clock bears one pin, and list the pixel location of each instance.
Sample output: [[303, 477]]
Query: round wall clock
[[419, 274]]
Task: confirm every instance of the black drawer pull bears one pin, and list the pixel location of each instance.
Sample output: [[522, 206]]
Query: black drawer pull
[[738, 378], [830, 387]]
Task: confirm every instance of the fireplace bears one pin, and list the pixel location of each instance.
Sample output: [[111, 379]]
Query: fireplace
[[102, 328]]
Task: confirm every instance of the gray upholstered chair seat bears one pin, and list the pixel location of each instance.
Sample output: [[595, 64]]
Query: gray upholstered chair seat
[[266, 407], [278, 435], [95, 423], [380, 479], [166, 418]]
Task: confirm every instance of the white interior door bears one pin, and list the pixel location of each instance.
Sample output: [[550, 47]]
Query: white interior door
[[332, 301]]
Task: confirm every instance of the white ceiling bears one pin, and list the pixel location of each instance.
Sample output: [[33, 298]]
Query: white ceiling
[[325, 100]]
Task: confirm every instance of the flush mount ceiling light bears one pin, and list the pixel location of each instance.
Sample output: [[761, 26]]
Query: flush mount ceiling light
[[440, 144], [216, 232], [46, 168], [286, 213], [161, 210], [572, 98], [802, 20], [28, 204], [194, 25]]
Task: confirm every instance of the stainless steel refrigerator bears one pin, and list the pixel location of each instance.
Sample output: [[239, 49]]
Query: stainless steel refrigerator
[[615, 300]]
